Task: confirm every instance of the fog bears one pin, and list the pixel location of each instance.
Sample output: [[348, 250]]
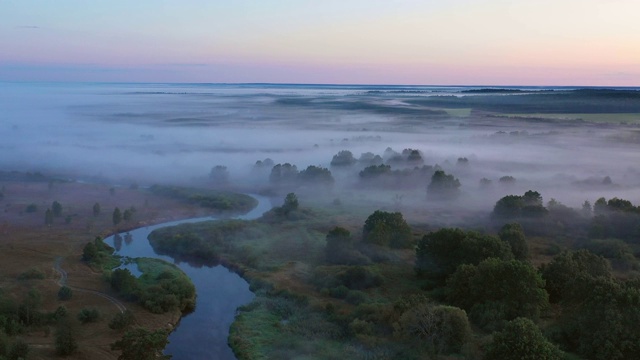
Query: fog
[[165, 133]]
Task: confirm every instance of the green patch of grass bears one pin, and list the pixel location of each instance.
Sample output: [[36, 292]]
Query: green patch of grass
[[462, 112], [213, 199]]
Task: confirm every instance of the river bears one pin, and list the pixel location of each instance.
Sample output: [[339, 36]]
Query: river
[[203, 333]]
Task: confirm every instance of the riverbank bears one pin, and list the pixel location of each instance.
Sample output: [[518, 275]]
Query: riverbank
[[26, 243]]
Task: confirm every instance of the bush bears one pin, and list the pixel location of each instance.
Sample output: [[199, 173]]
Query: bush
[[356, 297], [498, 290], [442, 329], [32, 274], [65, 293], [65, 343], [18, 350], [521, 339], [339, 292], [87, 315], [387, 229], [122, 320]]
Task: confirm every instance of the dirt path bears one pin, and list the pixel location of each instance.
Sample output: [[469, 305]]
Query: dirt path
[[63, 282]]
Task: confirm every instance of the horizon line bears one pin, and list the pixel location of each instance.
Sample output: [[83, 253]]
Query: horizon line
[[315, 84]]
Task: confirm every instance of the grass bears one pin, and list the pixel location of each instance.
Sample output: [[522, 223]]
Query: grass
[[462, 112], [151, 269]]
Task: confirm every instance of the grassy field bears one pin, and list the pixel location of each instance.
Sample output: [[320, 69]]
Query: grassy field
[[27, 244]]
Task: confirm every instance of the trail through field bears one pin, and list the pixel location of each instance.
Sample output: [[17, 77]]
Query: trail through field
[[63, 282]]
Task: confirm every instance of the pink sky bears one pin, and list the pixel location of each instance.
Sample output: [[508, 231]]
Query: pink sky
[[489, 42]]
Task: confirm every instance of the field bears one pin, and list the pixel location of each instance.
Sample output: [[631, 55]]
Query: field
[[28, 245]]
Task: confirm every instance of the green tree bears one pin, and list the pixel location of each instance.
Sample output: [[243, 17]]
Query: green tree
[[48, 217], [117, 216], [142, 344], [496, 290], [439, 253], [529, 205], [87, 315], [290, 203], [96, 209], [603, 323], [316, 175], [340, 248], [561, 273], [514, 235], [56, 207], [387, 229], [122, 320], [521, 339], [443, 186], [18, 350], [65, 342], [441, 329], [65, 293]]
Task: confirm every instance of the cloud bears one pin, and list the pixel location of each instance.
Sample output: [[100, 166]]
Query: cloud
[[27, 27]]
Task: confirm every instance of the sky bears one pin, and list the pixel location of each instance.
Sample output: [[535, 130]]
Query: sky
[[423, 42]]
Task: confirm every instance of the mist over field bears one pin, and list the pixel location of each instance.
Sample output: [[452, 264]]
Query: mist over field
[[176, 133]]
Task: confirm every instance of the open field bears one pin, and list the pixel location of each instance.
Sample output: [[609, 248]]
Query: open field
[[26, 243]]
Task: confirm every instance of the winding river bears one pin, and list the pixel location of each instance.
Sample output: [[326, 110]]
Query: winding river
[[203, 333]]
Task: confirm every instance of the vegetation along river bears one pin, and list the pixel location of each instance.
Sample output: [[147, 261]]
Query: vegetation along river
[[203, 333]]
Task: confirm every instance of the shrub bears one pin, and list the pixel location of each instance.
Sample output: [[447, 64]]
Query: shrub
[[122, 320], [521, 339], [32, 274], [65, 293], [87, 315]]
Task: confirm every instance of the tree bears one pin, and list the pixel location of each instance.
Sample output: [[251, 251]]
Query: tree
[[283, 174], [413, 156], [122, 320], [18, 350], [439, 253], [48, 217], [56, 207], [443, 186], [127, 215], [117, 216], [522, 339], [96, 209], [316, 175], [528, 205], [514, 235], [603, 324], [65, 343], [340, 248], [561, 273], [87, 315], [343, 158], [586, 209], [65, 293], [387, 229], [497, 290], [290, 203], [443, 329], [142, 344], [219, 175]]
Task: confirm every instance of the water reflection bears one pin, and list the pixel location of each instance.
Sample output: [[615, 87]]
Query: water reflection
[[202, 334]]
